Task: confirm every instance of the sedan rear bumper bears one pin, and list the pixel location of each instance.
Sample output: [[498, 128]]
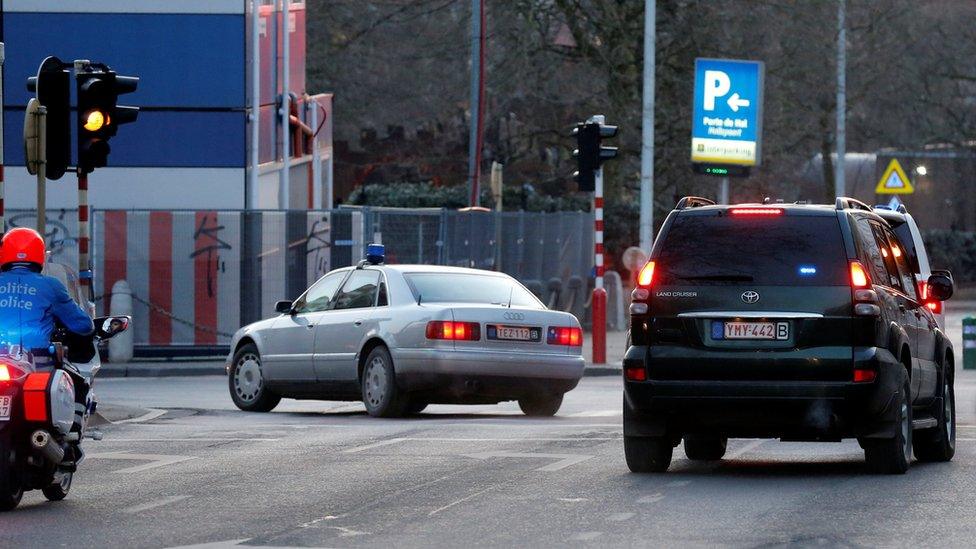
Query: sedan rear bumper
[[453, 375]]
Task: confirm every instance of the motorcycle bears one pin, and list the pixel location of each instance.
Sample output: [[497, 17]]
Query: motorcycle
[[45, 404]]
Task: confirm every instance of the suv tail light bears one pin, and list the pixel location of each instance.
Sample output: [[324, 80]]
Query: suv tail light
[[642, 293], [456, 331], [865, 299], [646, 276], [859, 276], [564, 336], [864, 376]]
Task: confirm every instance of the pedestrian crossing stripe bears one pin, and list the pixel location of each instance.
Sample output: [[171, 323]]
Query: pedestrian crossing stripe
[[894, 180]]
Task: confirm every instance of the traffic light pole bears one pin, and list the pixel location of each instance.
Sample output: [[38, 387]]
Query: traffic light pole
[[599, 301], [41, 125]]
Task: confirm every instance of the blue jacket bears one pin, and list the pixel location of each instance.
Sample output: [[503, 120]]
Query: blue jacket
[[30, 303]]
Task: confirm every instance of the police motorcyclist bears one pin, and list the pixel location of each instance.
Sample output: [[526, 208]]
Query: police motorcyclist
[[32, 305], [30, 302]]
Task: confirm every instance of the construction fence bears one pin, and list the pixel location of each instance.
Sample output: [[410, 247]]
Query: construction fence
[[197, 276]]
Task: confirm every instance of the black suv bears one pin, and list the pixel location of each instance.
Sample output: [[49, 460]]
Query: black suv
[[791, 321]]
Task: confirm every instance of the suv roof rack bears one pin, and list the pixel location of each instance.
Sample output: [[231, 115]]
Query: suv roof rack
[[693, 202], [844, 203]]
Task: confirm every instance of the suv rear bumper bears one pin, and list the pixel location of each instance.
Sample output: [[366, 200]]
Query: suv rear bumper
[[802, 410]]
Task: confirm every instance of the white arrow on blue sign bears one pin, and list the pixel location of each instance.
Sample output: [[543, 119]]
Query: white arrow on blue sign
[[727, 124]]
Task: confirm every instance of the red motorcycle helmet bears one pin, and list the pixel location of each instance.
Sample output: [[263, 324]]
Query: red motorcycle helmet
[[22, 245]]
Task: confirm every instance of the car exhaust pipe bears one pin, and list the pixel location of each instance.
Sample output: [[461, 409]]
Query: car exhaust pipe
[[43, 442]]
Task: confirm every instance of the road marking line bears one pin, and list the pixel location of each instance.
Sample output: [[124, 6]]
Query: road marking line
[[462, 500], [678, 483], [397, 440], [152, 414], [572, 500], [154, 504], [373, 445], [586, 536], [193, 439], [564, 460], [652, 498], [157, 460], [620, 517], [598, 413], [747, 448]]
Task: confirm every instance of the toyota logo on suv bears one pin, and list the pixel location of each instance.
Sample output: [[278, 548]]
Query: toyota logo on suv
[[750, 296], [514, 316]]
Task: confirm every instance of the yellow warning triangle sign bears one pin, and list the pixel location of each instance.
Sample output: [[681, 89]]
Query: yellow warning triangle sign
[[894, 180]]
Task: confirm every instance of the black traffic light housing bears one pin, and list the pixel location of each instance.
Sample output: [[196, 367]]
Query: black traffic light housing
[[99, 115], [53, 88], [590, 153]]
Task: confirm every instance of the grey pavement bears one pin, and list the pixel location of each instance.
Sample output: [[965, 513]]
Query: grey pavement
[[193, 471]]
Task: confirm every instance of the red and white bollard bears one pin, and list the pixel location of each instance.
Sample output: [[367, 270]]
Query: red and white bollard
[[599, 301]]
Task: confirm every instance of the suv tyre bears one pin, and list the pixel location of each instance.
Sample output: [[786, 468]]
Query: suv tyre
[[648, 454], [705, 448], [893, 455], [939, 444]]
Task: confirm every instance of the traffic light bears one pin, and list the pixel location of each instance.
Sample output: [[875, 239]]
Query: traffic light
[[99, 117], [590, 153], [52, 86]]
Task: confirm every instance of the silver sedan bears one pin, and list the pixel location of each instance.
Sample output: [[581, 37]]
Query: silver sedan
[[400, 337]]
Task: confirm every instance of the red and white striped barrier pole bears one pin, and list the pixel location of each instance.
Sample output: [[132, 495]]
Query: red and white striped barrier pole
[[599, 300], [84, 262]]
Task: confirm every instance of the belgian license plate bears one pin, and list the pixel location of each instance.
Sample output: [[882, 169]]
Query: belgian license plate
[[751, 330], [514, 333], [5, 407]]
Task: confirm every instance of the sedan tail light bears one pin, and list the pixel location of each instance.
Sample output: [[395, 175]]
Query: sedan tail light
[[565, 336], [456, 331]]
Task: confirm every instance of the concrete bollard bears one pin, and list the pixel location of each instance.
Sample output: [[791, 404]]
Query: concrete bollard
[[120, 347], [616, 319]]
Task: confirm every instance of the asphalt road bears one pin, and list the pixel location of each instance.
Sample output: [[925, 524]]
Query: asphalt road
[[315, 474]]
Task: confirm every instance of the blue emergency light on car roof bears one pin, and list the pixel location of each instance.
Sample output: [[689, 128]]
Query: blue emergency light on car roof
[[375, 254]]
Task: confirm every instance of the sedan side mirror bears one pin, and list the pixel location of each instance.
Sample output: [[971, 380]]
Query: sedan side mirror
[[283, 307], [109, 326], [940, 285]]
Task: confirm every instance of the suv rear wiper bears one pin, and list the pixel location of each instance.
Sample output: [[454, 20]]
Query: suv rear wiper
[[721, 277]]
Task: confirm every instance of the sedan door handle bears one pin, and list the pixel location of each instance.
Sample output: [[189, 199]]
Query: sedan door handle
[[310, 326], [358, 323]]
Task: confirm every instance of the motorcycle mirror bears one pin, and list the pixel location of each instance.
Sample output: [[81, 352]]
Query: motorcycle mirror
[[110, 326]]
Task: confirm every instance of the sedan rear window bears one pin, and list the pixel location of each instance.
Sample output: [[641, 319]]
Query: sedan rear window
[[764, 251], [470, 288]]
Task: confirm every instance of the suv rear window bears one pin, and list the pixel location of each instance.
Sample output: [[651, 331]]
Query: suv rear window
[[766, 251]]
